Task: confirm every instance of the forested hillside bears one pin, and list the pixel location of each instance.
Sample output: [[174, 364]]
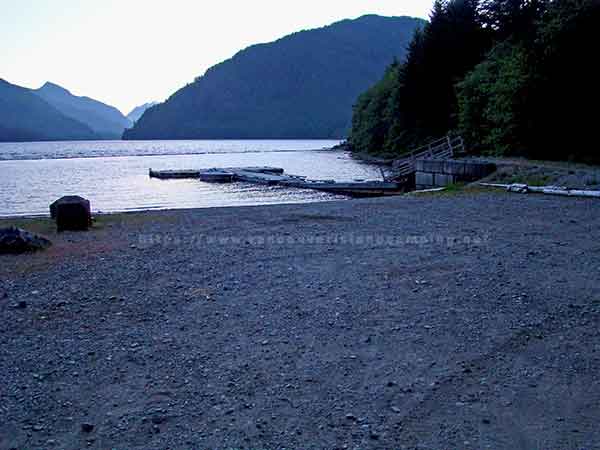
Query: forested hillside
[[515, 77], [301, 86]]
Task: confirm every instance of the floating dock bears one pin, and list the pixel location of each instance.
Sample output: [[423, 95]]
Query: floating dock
[[273, 176], [174, 174], [199, 173]]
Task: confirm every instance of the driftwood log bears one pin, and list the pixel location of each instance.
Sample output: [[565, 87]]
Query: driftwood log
[[548, 190]]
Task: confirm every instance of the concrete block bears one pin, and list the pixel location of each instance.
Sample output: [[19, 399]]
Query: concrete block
[[424, 179], [437, 165], [420, 165], [465, 171], [442, 179], [430, 165], [454, 168]]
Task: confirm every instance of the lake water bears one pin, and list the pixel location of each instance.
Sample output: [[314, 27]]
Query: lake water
[[114, 174]]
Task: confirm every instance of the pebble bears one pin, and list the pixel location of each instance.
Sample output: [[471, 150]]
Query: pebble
[[87, 427], [158, 419], [22, 304]]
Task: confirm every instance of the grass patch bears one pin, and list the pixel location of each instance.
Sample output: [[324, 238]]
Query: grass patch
[[133, 218], [532, 177], [531, 180], [47, 226], [38, 225], [458, 189], [454, 187]]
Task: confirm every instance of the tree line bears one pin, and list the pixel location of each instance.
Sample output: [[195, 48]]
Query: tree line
[[513, 77]]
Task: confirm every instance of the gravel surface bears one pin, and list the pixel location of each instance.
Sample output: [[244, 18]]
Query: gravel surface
[[465, 321]]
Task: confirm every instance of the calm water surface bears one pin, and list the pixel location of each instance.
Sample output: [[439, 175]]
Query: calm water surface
[[114, 174]]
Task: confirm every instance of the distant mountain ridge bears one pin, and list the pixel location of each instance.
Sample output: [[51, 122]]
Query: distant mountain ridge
[[137, 112], [24, 116], [301, 86], [52, 113], [107, 122]]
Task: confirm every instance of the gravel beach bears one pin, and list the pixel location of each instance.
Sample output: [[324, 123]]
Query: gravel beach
[[453, 321]]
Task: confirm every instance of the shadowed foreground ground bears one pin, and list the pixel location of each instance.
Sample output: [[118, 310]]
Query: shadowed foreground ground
[[438, 322]]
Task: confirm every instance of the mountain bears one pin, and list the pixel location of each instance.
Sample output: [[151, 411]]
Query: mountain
[[26, 117], [301, 86], [137, 112], [105, 121]]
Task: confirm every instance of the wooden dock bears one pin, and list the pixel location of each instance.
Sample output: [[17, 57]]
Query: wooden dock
[[197, 173], [174, 174], [273, 176]]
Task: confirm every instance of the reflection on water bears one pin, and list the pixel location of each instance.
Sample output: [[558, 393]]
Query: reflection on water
[[112, 184]]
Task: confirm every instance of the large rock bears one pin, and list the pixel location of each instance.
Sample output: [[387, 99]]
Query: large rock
[[71, 213], [66, 199], [16, 241]]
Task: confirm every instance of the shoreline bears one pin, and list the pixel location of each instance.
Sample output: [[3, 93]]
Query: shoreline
[[518, 170], [101, 214], [108, 214], [510, 171]]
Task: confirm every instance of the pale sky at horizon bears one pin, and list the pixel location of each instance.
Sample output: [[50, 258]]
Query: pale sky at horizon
[[128, 52]]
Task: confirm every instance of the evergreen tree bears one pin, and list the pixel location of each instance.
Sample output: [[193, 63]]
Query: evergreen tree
[[566, 91], [493, 101], [517, 77], [513, 19], [373, 113], [532, 94], [421, 100]]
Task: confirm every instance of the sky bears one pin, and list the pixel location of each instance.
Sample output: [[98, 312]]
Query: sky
[[129, 52]]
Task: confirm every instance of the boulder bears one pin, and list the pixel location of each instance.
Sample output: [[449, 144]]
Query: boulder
[[66, 198], [71, 213], [15, 241]]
